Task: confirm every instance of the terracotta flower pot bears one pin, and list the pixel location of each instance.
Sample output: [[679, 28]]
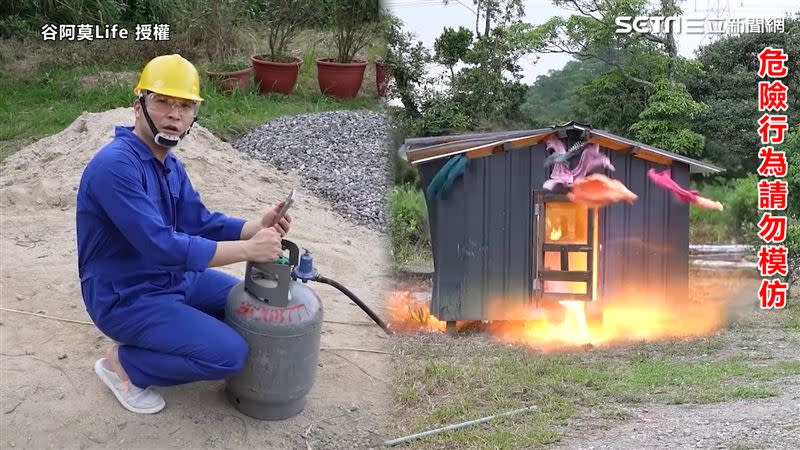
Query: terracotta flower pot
[[271, 76], [341, 80], [228, 81], [383, 72]]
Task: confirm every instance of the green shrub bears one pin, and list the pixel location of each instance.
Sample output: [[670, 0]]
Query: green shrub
[[708, 226], [15, 27], [740, 197], [408, 223], [405, 173], [213, 27], [69, 11], [742, 203], [152, 11], [232, 65]]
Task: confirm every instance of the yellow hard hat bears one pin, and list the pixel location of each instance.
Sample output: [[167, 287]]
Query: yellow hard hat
[[170, 75]]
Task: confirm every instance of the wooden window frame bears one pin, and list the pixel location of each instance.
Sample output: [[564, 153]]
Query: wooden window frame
[[540, 275]]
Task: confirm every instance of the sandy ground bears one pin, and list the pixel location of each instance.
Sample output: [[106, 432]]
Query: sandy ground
[[51, 397]]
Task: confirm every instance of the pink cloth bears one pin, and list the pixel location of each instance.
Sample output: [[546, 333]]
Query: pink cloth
[[591, 160], [560, 173], [665, 180]]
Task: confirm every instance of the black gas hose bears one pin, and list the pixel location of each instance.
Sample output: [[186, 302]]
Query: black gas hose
[[345, 291]]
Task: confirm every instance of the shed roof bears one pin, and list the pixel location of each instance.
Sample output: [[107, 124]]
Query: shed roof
[[476, 145]]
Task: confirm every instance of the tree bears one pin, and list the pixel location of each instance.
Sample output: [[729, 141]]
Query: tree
[[553, 98], [493, 13], [611, 101], [591, 34], [451, 47], [728, 86], [791, 147], [639, 96], [408, 59], [355, 23], [485, 92], [284, 20], [489, 86], [665, 121]]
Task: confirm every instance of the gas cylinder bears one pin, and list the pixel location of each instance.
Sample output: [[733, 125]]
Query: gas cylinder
[[281, 321]]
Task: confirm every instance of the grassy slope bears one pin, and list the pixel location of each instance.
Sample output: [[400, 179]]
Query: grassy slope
[[40, 97]]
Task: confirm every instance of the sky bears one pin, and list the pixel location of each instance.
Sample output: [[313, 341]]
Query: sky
[[427, 18]]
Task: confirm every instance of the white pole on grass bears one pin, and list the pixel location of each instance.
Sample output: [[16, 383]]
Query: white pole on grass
[[455, 426]]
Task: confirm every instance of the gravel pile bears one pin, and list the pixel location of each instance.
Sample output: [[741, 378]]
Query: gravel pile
[[342, 156]]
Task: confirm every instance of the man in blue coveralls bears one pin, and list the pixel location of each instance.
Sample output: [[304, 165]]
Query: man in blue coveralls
[[146, 243]]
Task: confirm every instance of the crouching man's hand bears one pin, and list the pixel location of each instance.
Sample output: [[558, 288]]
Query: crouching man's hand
[[269, 220], [264, 246], [257, 244]]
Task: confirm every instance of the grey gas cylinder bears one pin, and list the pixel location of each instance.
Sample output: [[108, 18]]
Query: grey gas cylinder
[[281, 321]]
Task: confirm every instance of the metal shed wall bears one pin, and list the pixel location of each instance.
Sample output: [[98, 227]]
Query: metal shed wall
[[482, 238], [645, 246]]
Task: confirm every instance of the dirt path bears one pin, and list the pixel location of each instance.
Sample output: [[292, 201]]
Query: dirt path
[[51, 396]]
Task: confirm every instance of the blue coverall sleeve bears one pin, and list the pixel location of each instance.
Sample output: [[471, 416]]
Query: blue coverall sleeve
[[119, 191], [195, 219]]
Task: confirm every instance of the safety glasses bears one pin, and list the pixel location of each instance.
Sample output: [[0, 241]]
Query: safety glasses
[[162, 104]]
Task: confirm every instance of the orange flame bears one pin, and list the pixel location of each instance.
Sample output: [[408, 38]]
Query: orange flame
[[632, 317], [622, 321], [555, 234], [407, 313]]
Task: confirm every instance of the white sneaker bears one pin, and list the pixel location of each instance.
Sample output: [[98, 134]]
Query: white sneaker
[[134, 398]]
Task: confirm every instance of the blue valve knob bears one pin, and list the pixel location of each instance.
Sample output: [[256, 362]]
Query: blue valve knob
[[305, 269]]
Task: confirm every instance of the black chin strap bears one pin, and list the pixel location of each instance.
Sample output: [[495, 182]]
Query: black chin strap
[[162, 139]]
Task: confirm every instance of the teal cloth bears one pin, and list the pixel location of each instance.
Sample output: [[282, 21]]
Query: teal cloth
[[446, 176]]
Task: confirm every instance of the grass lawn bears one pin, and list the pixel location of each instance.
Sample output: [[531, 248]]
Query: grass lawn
[[440, 380], [43, 97]]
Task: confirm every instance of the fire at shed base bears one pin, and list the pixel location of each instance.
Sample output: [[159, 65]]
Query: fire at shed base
[[565, 324], [622, 321], [409, 311]]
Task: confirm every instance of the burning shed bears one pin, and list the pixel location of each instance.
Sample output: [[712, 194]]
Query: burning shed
[[507, 238]]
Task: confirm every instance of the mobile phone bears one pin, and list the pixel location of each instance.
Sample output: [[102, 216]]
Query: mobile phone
[[286, 205]]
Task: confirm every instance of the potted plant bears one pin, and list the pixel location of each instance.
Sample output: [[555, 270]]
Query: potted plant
[[355, 23], [231, 75], [277, 71]]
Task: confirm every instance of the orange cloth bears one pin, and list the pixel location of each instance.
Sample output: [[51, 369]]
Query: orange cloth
[[597, 191]]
